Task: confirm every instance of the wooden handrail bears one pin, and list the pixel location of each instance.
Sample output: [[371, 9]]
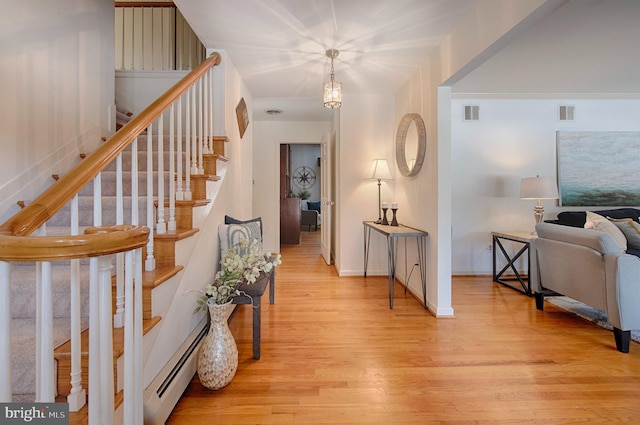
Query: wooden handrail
[[96, 241], [38, 212]]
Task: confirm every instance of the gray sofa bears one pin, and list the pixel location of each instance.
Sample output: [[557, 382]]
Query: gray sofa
[[588, 266]]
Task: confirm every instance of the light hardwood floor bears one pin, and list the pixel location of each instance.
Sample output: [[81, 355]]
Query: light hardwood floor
[[334, 353]]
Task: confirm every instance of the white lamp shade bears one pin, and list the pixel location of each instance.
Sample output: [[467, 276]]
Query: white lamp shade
[[380, 170], [538, 188]]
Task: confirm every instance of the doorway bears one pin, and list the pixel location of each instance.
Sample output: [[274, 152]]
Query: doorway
[[300, 189]]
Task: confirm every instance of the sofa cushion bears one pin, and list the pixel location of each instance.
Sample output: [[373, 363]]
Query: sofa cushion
[[602, 224], [578, 218], [630, 229]]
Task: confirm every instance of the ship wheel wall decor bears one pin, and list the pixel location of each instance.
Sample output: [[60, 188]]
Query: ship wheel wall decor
[[304, 177]]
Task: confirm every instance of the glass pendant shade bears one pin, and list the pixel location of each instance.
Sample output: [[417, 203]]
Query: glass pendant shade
[[332, 90], [332, 94]]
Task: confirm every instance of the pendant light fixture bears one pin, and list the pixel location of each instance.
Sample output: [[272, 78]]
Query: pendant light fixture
[[332, 90]]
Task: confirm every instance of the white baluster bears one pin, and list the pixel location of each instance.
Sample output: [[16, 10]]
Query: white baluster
[[135, 211], [171, 225], [201, 128], [77, 395], [129, 357], [5, 332], [106, 341], [118, 316], [94, 344], [187, 146], [161, 226], [180, 187], [137, 308], [206, 142], [211, 134], [194, 133]]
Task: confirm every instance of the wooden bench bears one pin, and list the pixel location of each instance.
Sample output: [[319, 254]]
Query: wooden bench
[[253, 296]]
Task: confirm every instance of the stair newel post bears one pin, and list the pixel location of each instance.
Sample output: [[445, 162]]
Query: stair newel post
[[5, 332], [77, 395], [187, 147], [179, 186], [117, 318], [161, 224], [137, 337], [150, 262], [201, 128], [101, 381], [45, 366], [171, 225], [133, 340]]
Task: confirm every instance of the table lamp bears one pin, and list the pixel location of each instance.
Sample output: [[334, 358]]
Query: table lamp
[[538, 188], [380, 171]]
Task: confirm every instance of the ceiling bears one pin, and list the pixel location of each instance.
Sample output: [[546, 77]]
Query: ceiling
[[278, 48]]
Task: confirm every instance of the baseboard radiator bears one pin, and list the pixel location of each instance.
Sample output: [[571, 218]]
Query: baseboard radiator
[[162, 395]]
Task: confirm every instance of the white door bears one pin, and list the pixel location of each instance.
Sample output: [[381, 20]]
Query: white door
[[326, 197]]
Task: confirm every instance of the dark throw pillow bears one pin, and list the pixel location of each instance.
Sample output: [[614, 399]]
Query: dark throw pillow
[[313, 206]]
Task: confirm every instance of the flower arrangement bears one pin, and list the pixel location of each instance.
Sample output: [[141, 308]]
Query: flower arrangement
[[242, 263]]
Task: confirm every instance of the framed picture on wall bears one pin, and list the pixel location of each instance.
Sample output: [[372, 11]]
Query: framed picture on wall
[[243, 116], [598, 168]]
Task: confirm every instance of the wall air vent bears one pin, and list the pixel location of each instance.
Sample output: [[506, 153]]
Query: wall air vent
[[471, 113], [566, 112]]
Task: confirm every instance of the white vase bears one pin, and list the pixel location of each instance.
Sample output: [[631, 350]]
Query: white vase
[[218, 355]]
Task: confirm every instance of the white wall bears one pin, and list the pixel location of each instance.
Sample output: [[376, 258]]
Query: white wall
[[366, 133], [135, 90], [428, 195], [57, 86], [267, 136], [514, 138]]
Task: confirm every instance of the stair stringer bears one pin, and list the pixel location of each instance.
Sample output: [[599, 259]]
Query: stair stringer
[[200, 261]]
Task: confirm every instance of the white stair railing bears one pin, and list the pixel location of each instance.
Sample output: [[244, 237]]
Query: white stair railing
[[185, 158]]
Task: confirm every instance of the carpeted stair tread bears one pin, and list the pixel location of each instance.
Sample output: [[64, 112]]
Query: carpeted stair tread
[[23, 338], [23, 290]]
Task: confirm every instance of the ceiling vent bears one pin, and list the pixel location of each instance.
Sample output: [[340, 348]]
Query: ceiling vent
[[273, 111], [566, 112], [471, 113]]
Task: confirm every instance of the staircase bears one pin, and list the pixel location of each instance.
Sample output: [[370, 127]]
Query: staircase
[[167, 257]]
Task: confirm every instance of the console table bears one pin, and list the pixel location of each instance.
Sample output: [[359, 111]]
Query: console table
[[524, 238], [393, 233]]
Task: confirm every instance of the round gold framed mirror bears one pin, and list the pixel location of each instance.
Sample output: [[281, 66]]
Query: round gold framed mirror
[[411, 148]]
